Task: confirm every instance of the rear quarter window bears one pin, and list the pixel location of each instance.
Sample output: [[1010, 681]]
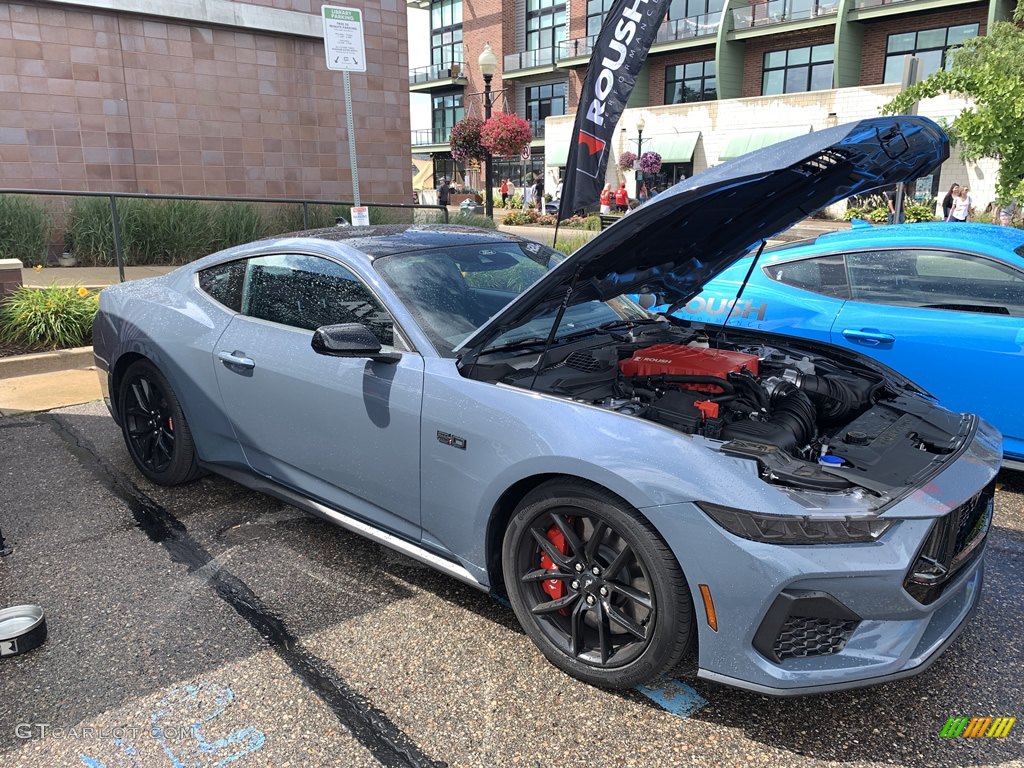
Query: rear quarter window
[[224, 283]]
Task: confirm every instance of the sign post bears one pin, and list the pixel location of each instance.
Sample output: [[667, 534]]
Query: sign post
[[346, 52]]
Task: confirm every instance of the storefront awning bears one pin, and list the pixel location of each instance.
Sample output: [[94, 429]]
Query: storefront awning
[[748, 142], [675, 148]]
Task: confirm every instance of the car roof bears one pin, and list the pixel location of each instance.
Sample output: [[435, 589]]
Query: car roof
[[381, 240], [988, 237]]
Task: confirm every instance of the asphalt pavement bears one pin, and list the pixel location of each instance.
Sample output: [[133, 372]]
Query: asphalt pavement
[[210, 625]]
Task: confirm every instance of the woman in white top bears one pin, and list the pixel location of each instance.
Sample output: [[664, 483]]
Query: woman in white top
[[961, 206]]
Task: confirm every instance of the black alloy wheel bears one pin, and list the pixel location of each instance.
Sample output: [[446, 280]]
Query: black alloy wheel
[[154, 426], [595, 587]]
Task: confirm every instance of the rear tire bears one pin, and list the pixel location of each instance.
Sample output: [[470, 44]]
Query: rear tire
[[595, 587], [155, 430]]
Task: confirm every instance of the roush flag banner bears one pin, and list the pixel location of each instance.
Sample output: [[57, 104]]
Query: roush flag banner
[[619, 53]]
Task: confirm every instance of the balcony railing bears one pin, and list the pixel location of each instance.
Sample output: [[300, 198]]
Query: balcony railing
[[573, 49], [428, 136], [858, 4], [436, 72], [779, 11], [689, 27], [543, 57]]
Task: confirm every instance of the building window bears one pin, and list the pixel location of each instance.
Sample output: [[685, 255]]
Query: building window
[[797, 70], [544, 101], [690, 82], [448, 110], [545, 24], [931, 46], [596, 10], [446, 32], [689, 9]]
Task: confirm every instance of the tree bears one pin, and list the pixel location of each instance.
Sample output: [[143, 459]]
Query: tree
[[989, 71]]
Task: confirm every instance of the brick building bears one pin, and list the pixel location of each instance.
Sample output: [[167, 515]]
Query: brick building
[[207, 97], [723, 76]]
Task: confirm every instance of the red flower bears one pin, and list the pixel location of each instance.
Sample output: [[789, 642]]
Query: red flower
[[505, 135], [465, 140]]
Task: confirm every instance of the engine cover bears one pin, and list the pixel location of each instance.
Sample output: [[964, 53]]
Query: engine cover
[[677, 360]]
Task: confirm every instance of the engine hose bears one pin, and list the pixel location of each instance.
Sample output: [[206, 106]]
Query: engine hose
[[753, 389], [668, 378], [834, 397], [792, 409]]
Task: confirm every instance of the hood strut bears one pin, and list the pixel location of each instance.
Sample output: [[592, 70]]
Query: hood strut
[[743, 285], [554, 326]]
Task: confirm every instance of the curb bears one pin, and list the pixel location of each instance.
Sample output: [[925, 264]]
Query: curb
[[45, 362]]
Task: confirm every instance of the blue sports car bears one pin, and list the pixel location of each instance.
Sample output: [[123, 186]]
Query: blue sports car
[[941, 303], [796, 515]]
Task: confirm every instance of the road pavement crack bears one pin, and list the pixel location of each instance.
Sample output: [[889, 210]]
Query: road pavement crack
[[367, 724]]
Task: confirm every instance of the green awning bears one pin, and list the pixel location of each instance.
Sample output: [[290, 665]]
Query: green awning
[[748, 142], [556, 145], [677, 148]]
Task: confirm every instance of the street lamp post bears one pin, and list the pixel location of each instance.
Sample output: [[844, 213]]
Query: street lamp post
[[638, 177], [488, 64]]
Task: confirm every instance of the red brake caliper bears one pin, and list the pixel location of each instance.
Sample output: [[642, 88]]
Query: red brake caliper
[[554, 587]]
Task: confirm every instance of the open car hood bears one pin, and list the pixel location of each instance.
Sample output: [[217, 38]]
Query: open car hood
[[680, 240]]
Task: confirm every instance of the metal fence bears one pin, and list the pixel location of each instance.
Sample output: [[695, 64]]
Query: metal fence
[[113, 197]]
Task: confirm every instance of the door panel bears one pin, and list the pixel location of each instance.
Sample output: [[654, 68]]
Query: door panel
[[343, 430], [971, 362]]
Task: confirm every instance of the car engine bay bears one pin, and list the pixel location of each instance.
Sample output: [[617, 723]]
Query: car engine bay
[[809, 421]]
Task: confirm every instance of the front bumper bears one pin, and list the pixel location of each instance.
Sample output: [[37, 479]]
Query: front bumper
[[894, 635]]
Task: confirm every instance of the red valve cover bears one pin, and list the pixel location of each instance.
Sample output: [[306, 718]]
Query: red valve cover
[[677, 360]]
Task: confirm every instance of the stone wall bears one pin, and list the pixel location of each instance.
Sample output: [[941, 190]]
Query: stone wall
[[100, 100]]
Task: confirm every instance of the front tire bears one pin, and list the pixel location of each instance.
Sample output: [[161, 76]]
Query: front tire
[[154, 426], [595, 587]]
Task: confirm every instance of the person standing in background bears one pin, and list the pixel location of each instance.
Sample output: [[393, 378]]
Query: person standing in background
[[1005, 214], [961, 210], [947, 201], [622, 198], [504, 193], [444, 192], [606, 199]]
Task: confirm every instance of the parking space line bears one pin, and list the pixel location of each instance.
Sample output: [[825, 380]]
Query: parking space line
[[370, 726]]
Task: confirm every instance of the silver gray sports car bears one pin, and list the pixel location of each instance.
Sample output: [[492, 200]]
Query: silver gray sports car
[[800, 517]]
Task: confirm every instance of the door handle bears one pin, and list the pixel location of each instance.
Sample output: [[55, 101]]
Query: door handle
[[236, 358], [869, 337]]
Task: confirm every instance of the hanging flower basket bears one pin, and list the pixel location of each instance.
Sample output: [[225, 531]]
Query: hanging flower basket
[[650, 163], [465, 140], [626, 160], [505, 135]]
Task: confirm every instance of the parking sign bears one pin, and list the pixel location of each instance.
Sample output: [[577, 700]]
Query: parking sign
[[343, 39]]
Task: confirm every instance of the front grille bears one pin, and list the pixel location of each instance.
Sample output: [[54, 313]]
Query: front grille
[[802, 636], [955, 541]]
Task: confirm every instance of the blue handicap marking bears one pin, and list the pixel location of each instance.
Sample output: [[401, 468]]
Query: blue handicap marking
[[184, 726], [675, 697]]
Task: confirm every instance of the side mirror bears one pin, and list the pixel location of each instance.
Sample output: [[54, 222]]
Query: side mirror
[[350, 340]]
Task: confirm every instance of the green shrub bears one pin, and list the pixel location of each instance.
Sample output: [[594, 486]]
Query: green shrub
[[283, 219], [24, 229], [473, 220], [236, 223], [590, 223], [852, 213], [171, 232], [57, 317], [877, 215], [90, 235], [916, 213]]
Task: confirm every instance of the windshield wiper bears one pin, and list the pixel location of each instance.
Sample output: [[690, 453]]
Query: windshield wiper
[[529, 341]]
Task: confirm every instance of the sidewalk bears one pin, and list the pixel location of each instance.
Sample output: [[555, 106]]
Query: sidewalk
[[90, 277]]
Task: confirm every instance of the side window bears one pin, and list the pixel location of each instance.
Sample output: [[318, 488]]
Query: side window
[[224, 283], [308, 292], [937, 280], [825, 275]]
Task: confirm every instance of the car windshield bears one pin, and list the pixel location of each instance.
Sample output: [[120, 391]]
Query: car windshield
[[453, 291]]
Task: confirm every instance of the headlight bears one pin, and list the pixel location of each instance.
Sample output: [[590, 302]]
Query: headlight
[[796, 529]]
